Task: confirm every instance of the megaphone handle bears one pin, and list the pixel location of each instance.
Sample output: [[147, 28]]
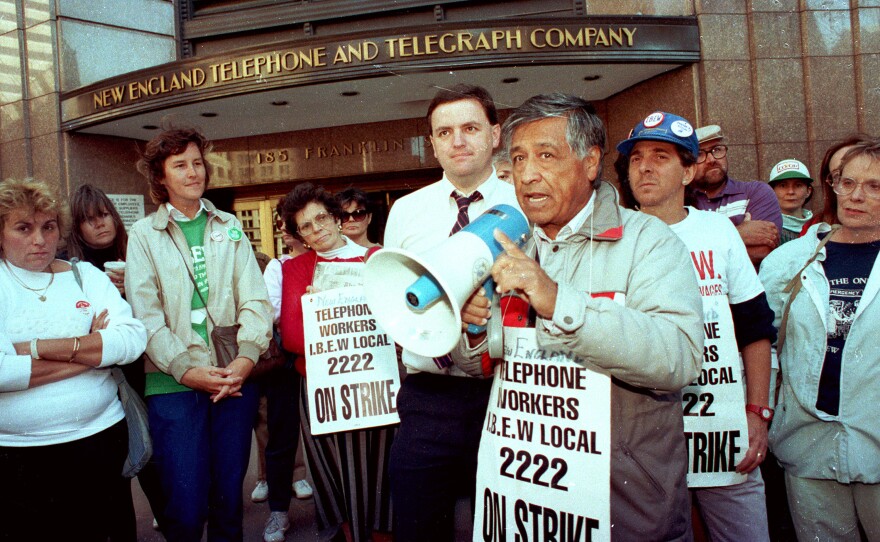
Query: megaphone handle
[[489, 288]]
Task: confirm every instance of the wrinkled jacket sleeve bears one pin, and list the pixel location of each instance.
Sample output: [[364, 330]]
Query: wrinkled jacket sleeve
[[776, 271], [655, 339], [254, 313], [272, 278], [165, 349]]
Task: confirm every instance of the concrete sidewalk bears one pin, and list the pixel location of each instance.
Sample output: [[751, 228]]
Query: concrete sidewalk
[[302, 513]]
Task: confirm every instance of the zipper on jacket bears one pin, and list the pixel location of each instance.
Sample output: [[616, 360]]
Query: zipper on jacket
[[628, 453]]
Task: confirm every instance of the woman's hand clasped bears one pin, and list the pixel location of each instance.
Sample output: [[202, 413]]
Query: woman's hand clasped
[[219, 382]]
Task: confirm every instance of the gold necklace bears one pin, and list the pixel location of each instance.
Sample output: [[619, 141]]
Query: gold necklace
[[41, 292]]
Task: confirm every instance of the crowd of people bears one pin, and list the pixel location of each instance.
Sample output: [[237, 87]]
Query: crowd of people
[[649, 282]]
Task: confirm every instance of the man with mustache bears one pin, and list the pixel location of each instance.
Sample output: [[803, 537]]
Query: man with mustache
[[751, 206]]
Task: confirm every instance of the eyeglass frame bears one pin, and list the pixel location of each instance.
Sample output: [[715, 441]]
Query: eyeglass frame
[[321, 220], [345, 216], [705, 154], [837, 175]]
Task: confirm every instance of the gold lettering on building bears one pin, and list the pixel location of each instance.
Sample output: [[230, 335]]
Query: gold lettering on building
[[449, 43], [163, 84], [350, 149], [556, 38], [362, 52], [260, 66]]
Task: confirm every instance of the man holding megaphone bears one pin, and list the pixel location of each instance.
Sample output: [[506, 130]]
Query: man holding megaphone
[[441, 407], [611, 287]]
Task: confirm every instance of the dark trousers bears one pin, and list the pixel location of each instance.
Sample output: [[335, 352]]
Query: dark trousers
[[202, 450], [281, 389], [434, 458], [62, 491]]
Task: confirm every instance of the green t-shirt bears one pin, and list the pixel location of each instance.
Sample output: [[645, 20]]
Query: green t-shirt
[[194, 231]]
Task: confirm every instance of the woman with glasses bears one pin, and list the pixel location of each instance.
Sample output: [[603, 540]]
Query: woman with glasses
[[823, 288], [349, 469], [356, 215]]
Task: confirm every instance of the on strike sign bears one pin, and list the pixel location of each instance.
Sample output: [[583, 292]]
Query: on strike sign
[[715, 425], [544, 462], [351, 364]]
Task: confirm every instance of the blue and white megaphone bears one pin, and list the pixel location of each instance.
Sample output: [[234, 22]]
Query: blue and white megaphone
[[417, 298]]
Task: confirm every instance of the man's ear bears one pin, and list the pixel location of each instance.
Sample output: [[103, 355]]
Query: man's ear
[[689, 172], [591, 162], [430, 140], [496, 136]]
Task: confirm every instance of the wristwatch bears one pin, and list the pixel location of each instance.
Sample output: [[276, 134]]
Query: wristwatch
[[765, 413]]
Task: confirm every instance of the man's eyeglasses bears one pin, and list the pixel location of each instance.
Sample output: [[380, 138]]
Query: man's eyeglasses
[[844, 186], [321, 220], [718, 152], [358, 215]]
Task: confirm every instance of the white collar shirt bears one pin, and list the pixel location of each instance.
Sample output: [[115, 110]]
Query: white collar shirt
[[178, 216]]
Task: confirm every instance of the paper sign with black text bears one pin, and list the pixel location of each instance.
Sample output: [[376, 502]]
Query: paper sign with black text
[[351, 363], [544, 465], [715, 426]]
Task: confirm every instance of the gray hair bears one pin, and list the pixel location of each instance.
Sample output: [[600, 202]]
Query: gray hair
[[584, 130]]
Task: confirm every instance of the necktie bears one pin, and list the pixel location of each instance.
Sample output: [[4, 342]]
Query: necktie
[[463, 202]]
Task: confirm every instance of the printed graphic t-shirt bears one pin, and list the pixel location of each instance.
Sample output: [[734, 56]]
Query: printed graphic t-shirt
[[847, 267]]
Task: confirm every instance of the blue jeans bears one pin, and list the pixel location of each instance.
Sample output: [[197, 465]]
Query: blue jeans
[[201, 450]]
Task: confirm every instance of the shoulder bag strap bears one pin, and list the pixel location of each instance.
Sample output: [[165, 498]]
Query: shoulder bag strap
[[794, 286], [192, 278], [116, 372], [76, 274]]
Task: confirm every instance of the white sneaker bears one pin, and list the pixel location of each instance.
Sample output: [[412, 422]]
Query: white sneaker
[[276, 526], [261, 492], [302, 489]]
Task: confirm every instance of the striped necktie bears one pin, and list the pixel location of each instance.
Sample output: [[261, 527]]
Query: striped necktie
[[463, 202]]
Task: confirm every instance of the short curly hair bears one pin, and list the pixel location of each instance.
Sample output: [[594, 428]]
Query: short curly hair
[[170, 142], [35, 196], [297, 199]]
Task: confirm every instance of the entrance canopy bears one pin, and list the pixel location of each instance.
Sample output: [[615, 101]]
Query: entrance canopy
[[363, 78]]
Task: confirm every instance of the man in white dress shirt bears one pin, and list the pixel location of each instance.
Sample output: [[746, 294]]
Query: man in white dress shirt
[[441, 404]]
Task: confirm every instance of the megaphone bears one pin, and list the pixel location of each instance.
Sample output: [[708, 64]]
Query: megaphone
[[417, 298]]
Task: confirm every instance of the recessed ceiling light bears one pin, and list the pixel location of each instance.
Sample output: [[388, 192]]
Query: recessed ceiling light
[[592, 78], [510, 80], [209, 115], [150, 127], [350, 93], [279, 102]]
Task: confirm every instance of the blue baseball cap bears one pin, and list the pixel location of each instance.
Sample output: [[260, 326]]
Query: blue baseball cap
[[660, 126]]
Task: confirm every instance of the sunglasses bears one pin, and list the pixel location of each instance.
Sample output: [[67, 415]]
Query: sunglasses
[[358, 215]]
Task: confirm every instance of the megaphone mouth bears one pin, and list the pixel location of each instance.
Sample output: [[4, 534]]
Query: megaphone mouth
[[413, 306]]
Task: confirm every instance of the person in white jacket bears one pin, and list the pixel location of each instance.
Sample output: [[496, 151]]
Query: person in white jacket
[[826, 433]]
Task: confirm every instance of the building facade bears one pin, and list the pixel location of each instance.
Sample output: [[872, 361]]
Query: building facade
[[335, 91]]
